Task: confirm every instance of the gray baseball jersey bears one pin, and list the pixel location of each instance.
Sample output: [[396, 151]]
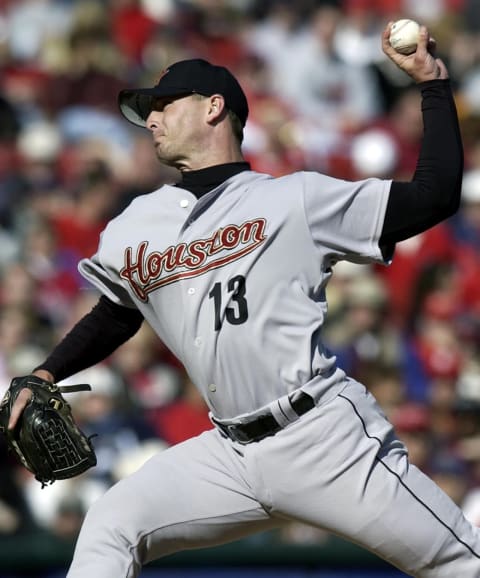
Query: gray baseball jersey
[[234, 283]]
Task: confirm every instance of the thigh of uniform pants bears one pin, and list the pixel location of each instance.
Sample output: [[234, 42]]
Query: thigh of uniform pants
[[192, 495], [344, 470]]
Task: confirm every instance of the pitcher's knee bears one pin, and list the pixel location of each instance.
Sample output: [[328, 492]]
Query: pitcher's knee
[[456, 557], [112, 522], [105, 546]]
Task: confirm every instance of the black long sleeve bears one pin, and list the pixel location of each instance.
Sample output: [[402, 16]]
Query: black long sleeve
[[93, 338], [434, 192]]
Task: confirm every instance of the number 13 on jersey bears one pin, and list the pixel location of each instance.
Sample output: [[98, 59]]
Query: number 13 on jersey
[[234, 291]]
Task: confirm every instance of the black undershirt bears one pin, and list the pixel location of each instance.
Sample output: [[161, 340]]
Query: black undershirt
[[204, 180], [430, 197]]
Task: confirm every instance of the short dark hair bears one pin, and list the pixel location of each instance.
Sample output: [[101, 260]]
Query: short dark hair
[[237, 126], [235, 122]]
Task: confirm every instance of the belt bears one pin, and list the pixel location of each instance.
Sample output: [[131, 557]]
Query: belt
[[263, 426]]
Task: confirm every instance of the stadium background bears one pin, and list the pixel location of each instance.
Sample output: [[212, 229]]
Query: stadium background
[[322, 98]]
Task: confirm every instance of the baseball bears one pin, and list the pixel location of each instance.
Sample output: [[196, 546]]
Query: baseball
[[404, 36]]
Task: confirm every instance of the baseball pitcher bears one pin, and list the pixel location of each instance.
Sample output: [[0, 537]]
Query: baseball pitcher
[[229, 267]]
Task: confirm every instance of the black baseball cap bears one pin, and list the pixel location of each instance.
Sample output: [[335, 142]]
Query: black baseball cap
[[182, 78]]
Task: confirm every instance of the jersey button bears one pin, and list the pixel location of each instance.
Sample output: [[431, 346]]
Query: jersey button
[[198, 341], [212, 387], [184, 203], [191, 290]]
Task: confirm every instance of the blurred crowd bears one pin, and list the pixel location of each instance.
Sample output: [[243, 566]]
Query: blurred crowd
[[322, 97]]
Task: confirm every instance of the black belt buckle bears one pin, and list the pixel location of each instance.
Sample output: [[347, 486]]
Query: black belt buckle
[[238, 434], [246, 433]]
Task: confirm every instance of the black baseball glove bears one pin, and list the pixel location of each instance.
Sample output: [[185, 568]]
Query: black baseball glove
[[46, 439]]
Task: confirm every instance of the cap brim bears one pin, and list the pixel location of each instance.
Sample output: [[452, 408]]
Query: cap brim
[[136, 104]]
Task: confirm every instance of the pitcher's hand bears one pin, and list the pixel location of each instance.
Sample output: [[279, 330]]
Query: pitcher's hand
[[24, 397], [422, 64]]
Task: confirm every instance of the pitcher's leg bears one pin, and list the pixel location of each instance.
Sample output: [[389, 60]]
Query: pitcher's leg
[[425, 532], [349, 474], [191, 495], [397, 511]]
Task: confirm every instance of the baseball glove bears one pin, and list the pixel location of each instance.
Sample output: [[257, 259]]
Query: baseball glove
[[46, 439]]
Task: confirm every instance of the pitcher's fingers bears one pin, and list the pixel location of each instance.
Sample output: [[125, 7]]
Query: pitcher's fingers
[[20, 403], [423, 40], [442, 68], [387, 47]]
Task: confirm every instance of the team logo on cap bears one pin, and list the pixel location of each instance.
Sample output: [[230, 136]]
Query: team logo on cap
[[164, 72]]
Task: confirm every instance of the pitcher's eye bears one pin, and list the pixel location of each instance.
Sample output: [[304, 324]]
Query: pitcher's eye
[[159, 104]]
